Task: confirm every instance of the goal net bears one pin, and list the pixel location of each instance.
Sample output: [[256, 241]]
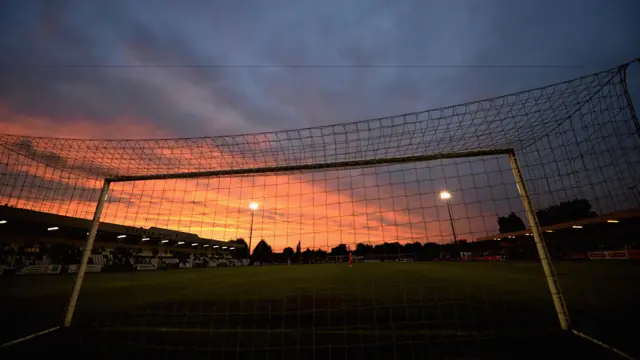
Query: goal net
[[454, 216]]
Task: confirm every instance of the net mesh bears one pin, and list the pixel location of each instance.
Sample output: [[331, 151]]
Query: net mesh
[[514, 121], [372, 189]]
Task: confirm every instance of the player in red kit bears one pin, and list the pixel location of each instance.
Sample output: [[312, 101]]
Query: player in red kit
[[350, 260]]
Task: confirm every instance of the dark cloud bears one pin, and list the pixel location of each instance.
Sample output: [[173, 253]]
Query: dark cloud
[[20, 186], [214, 101], [25, 148]]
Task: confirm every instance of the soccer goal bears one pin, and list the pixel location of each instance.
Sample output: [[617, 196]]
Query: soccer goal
[[465, 205]]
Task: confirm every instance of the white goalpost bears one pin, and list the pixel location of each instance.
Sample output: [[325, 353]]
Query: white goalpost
[[549, 272]]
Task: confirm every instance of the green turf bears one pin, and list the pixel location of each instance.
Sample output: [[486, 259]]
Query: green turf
[[314, 306]]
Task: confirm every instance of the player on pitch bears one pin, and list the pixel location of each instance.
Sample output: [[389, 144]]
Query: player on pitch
[[350, 260]]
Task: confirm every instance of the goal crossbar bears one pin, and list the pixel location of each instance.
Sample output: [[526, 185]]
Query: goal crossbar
[[314, 166]]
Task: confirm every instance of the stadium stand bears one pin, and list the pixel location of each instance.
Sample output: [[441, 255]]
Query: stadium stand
[[34, 242]]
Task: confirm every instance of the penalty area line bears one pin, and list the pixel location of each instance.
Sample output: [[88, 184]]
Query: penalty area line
[[22, 339], [597, 342]]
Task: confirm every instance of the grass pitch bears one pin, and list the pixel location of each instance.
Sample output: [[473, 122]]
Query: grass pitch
[[373, 311]]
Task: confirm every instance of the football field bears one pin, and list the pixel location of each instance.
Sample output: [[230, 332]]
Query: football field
[[373, 310]]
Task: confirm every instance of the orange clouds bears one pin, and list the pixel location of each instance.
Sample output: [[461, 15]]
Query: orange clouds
[[321, 209], [76, 128]]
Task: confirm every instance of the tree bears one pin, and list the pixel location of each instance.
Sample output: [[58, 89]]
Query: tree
[[339, 250], [298, 248], [413, 248], [511, 223], [431, 250], [242, 249], [288, 253], [319, 255], [363, 249], [393, 248], [307, 255], [566, 211], [262, 251], [379, 249]]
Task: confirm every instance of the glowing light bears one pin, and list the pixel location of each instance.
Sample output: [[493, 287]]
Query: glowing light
[[253, 206], [613, 221], [53, 228], [122, 236], [180, 242], [145, 239], [577, 227], [445, 195], [164, 241], [3, 221]]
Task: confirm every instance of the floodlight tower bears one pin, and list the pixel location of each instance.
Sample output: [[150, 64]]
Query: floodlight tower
[[253, 206], [446, 196]]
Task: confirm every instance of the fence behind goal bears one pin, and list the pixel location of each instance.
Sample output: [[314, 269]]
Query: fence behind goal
[[479, 196]]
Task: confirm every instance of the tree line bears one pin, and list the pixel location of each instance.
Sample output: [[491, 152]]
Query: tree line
[[263, 252], [566, 211], [561, 243]]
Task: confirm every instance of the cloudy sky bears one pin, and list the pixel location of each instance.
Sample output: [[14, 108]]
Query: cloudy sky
[[257, 43], [157, 69]]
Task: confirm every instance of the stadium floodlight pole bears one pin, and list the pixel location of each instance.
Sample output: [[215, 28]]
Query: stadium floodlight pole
[[253, 206], [543, 252], [87, 253], [446, 196]]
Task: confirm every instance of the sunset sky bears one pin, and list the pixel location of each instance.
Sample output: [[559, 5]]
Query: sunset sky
[[152, 69]]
